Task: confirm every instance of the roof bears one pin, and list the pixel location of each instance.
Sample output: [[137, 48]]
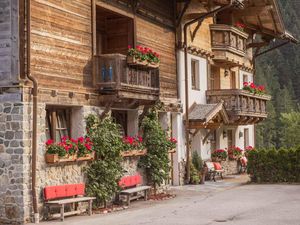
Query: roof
[[206, 112], [264, 16]]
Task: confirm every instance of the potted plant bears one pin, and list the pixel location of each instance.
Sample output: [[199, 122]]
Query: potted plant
[[240, 26], [84, 149], [247, 150], [133, 146], [53, 152], [172, 142], [234, 153], [252, 88], [59, 152], [142, 56], [219, 155]]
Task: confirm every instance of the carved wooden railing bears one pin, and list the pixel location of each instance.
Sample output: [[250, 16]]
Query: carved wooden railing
[[228, 38], [113, 74], [240, 102]]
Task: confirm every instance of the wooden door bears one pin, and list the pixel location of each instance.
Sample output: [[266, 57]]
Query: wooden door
[[230, 138], [246, 137], [118, 35], [215, 78], [233, 80]]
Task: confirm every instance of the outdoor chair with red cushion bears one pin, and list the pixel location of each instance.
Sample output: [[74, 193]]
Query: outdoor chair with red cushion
[[62, 195], [214, 168]]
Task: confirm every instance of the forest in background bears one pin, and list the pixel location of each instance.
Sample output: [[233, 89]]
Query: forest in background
[[279, 71]]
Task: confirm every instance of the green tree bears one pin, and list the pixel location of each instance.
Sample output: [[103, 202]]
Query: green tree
[[290, 130]]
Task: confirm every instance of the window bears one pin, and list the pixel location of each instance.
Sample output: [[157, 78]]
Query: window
[[57, 123], [195, 74], [121, 118], [230, 138], [246, 137], [214, 79], [245, 78]]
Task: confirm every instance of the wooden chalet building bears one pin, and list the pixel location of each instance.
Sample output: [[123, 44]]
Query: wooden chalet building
[[63, 60]]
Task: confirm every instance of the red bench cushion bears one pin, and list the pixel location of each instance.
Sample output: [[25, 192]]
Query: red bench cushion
[[217, 166], [63, 191], [130, 181]]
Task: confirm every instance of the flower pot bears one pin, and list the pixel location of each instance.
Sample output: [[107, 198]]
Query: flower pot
[[51, 158], [87, 157], [134, 61], [126, 153], [141, 152], [172, 150], [67, 158], [153, 65]]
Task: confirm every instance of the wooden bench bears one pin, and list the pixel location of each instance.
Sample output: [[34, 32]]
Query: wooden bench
[[213, 169], [132, 185], [64, 195]]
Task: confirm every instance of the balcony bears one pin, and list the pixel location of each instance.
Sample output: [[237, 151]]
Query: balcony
[[228, 44], [115, 77], [242, 107]]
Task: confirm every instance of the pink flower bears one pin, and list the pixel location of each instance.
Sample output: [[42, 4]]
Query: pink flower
[[89, 147], [129, 46], [63, 139], [140, 139], [81, 139], [49, 142]]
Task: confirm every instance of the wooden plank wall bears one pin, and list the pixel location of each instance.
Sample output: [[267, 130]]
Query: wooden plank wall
[[162, 41], [62, 44], [9, 41]]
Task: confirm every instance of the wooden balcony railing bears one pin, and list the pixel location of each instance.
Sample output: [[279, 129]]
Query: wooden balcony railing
[[114, 75], [228, 38], [242, 106]]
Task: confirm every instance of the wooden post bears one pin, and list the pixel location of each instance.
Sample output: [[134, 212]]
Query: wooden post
[[62, 210]]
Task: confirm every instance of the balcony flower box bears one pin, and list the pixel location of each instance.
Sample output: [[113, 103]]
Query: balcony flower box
[[142, 56]]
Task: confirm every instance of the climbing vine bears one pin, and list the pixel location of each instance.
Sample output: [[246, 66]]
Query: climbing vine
[[157, 142], [104, 173]]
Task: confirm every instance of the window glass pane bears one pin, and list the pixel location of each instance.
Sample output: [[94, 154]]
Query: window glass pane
[[195, 74], [48, 119]]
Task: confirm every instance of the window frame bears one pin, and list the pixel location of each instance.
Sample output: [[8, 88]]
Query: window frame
[[195, 74], [53, 113]]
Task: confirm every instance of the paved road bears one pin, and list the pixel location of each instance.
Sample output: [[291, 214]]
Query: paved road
[[215, 203]]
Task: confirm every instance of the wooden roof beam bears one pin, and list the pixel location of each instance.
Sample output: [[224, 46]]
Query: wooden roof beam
[[254, 10]]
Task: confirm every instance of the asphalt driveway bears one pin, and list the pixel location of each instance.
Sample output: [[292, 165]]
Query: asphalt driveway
[[224, 202]]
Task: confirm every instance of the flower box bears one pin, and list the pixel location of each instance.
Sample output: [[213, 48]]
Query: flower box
[[87, 157], [51, 158], [131, 153], [134, 61], [54, 158]]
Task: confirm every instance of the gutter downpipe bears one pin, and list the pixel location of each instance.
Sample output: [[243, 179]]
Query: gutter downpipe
[[34, 119], [187, 135]]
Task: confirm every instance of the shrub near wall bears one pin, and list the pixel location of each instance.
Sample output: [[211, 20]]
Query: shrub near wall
[[271, 165]]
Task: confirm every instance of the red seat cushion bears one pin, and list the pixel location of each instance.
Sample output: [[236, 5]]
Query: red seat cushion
[[63, 191], [244, 161], [130, 181], [217, 166]]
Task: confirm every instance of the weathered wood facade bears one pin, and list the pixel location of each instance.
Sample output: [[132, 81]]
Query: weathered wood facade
[[65, 44]]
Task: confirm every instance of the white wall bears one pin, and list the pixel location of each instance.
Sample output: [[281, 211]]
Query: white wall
[[198, 96]]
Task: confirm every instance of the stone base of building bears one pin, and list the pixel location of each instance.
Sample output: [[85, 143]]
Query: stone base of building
[[231, 167]]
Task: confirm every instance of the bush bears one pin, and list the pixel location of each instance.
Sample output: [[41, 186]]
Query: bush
[[157, 142], [197, 161], [194, 175], [271, 165], [104, 173]]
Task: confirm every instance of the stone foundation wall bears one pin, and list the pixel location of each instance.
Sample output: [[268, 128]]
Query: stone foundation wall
[[13, 163], [230, 167]]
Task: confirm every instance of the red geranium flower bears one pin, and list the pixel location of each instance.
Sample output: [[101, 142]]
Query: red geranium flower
[[49, 142]]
